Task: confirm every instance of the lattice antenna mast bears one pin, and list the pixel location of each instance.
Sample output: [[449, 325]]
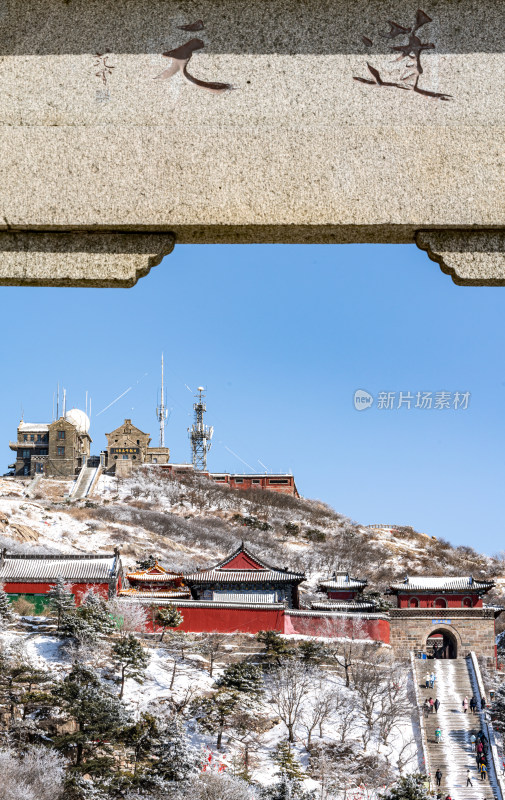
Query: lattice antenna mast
[[161, 411], [200, 434]]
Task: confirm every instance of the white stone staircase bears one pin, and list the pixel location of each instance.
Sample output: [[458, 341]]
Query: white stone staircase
[[454, 754], [85, 482]]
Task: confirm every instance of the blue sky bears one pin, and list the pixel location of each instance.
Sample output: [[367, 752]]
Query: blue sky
[[282, 336]]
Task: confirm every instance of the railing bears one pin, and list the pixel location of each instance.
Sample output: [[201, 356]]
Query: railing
[[421, 717], [487, 727]]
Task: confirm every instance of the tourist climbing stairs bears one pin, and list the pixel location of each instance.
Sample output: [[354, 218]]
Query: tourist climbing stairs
[[453, 755]]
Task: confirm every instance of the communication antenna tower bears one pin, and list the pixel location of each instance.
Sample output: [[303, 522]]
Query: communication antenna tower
[[200, 434], [161, 411]]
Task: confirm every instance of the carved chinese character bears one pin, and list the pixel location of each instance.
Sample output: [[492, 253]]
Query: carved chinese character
[[409, 56]]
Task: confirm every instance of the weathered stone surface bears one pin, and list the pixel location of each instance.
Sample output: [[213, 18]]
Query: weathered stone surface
[[80, 259], [472, 258], [309, 146]]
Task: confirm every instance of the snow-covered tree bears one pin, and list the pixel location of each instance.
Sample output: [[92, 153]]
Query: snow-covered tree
[[61, 598], [216, 786], [498, 709], [286, 762], [5, 608], [168, 617], [131, 660], [176, 758], [216, 713], [146, 561], [37, 773], [100, 716], [91, 620], [129, 617], [242, 677], [409, 787], [288, 687]]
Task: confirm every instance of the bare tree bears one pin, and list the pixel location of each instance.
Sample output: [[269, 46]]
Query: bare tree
[[288, 687], [212, 646], [129, 617], [345, 720], [37, 774], [320, 707]]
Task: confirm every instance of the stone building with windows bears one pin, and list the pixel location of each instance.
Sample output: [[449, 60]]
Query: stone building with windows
[[57, 449], [128, 447]]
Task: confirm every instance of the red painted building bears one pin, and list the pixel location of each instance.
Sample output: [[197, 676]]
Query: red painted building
[[35, 575], [244, 578], [446, 592], [282, 483]]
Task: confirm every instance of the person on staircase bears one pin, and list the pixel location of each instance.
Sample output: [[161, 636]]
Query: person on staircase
[[473, 704], [433, 678], [469, 778], [436, 705], [438, 735], [438, 776], [465, 705], [483, 771], [427, 680], [432, 703], [473, 741]]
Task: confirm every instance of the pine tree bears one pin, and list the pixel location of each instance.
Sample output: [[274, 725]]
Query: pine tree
[[145, 562], [5, 608], [89, 621], [215, 713], [176, 758], [61, 598], [410, 787], [168, 617], [276, 648], [100, 717], [131, 660], [242, 677], [286, 762]]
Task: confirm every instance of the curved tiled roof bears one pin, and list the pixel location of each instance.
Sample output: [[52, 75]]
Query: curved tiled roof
[[152, 578], [342, 605], [265, 572], [441, 584], [82, 568], [145, 595], [341, 580], [243, 575]]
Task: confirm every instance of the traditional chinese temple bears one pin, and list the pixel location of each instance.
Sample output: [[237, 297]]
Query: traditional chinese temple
[[155, 580], [243, 577], [32, 576]]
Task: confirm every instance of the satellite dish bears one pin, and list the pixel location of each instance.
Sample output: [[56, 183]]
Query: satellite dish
[[201, 389]]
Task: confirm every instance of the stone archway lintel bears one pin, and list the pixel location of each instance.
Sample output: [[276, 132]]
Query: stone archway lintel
[[470, 257], [80, 258]]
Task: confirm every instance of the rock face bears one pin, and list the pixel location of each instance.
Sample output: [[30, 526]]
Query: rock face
[[126, 125]]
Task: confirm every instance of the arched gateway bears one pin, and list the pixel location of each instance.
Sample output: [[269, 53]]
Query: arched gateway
[[443, 617], [442, 643]]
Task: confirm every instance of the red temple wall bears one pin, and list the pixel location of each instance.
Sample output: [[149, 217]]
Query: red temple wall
[[78, 589], [229, 620], [430, 600], [336, 627]]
